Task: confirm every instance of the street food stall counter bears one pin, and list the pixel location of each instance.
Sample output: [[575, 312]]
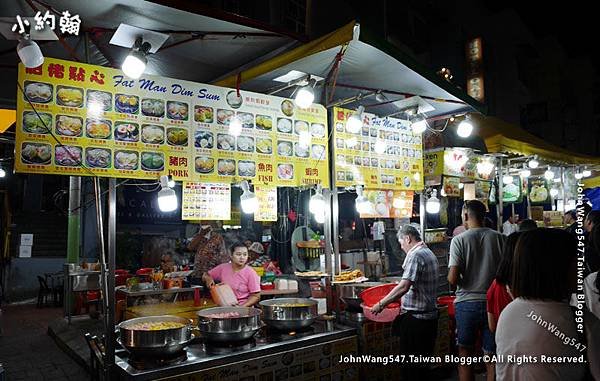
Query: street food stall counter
[[312, 352]]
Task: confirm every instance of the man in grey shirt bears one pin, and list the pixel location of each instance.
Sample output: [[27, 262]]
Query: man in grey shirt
[[474, 259]]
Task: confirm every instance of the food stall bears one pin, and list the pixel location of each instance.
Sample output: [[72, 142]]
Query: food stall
[[542, 178], [209, 138], [375, 93]]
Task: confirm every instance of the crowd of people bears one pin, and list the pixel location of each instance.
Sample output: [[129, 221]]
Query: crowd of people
[[516, 298]]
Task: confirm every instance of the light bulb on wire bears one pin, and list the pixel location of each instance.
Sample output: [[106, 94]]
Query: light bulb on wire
[[317, 201], [533, 163], [418, 125], [465, 128], [135, 63], [586, 173], [2, 173], [355, 122], [362, 203], [305, 95], [549, 175], [553, 192], [29, 53], [167, 199], [525, 173], [248, 199], [432, 205], [578, 175]]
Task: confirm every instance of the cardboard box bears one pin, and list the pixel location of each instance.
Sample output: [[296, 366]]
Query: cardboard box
[[26, 239], [24, 251]]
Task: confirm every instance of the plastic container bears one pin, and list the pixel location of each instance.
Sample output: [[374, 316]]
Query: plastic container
[[292, 284], [281, 284], [447, 301], [222, 294], [387, 315], [373, 295]]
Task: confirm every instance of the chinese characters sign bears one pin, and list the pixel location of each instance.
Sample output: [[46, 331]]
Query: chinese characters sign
[[68, 24], [475, 86], [119, 127], [206, 201], [267, 203], [385, 154]]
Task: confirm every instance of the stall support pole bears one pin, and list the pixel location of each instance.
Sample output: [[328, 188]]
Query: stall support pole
[[112, 251], [500, 210], [562, 179], [335, 217], [422, 213], [74, 220], [327, 227]]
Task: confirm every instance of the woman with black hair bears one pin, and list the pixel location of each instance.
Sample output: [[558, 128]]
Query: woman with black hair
[[592, 316], [538, 326], [498, 295], [242, 279]]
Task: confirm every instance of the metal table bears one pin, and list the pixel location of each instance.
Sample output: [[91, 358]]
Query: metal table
[[76, 281]]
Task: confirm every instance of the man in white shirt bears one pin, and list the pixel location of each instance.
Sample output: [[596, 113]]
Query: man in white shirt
[[510, 225]]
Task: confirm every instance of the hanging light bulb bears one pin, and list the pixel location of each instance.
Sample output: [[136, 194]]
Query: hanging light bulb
[[548, 175], [485, 168], [235, 126], [461, 185], [167, 199], [533, 163], [248, 199], [355, 122], [432, 205], [171, 182], [29, 52], [380, 146], [578, 175], [507, 179], [525, 173], [362, 204], [305, 95], [316, 204], [418, 125], [586, 173], [465, 128], [320, 217], [2, 173], [553, 192], [442, 192], [135, 62]]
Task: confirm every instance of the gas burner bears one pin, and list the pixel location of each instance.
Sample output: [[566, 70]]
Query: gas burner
[[216, 348], [272, 335], [151, 362], [357, 317]]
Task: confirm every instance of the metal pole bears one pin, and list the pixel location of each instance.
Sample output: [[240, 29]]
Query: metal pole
[[422, 212], [562, 178], [112, 251], [335, 216], [74, 220], [500, 211], [328, 249]]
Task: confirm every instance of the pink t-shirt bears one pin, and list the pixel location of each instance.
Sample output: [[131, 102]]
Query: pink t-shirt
[[244, 282]]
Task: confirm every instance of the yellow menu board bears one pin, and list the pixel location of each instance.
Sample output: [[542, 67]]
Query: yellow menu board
[[106, 124], [385, 154], [388, 204], [205, 201]]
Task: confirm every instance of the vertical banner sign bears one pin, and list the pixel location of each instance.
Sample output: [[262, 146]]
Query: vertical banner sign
[[475, 87], [95, 121], [538, 191], [482, 191], [512, 192], [206, 201], [384, 154], [267, 203]]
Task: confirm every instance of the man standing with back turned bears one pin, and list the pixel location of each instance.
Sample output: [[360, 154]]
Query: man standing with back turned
[[416, 326], [474, 259]]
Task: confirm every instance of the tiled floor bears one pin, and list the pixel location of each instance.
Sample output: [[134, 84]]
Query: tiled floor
[[26, 350]]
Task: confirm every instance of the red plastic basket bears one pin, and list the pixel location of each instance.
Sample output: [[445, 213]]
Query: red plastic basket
[[447, 301], [373, 295]]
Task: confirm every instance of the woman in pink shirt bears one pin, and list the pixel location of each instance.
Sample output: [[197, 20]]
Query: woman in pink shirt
[[242, 279]]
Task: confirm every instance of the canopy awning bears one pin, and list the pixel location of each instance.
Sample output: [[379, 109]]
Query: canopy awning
[[503, 137], [592, 182], [367, 64]]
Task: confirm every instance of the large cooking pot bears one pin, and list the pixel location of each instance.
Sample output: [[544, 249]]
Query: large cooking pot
[[349, 293], [154, 342], [289, 313], [225, 329]]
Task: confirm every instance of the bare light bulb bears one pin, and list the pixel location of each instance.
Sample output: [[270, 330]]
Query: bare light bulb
[[465, 128], [354, 122], [305, 96]]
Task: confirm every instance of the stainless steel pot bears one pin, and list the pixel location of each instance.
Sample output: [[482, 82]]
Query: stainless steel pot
[[229, 328], [155, 343], [289, 313], [350, 292]]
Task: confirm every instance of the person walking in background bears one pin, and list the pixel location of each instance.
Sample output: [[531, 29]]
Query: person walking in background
[[498, 296], [416, 326], [510, 225], [527, 224], [474, 259], [570, 221], [543, 278]]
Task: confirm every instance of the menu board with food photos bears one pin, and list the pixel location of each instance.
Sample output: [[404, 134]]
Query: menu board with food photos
[[205, 201], [388, 204], [538, 191], [105, 124], [384, 154]]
